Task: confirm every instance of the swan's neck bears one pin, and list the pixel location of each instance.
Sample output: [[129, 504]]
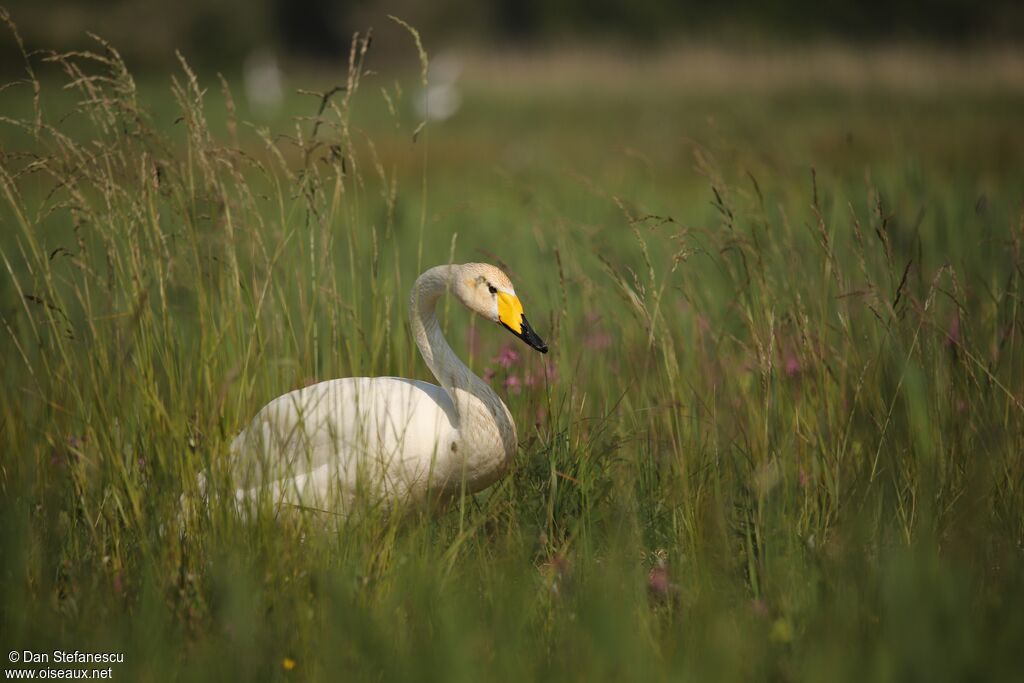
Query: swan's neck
[[479, 409], [449, 370]]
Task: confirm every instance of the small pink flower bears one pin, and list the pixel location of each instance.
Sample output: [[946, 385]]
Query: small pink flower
[[659, 584], [507, 357], [550, 371], [803, 478], [598, 340], [792, 364], [657, 580], [760, 608], [547, 372], [512, 384]]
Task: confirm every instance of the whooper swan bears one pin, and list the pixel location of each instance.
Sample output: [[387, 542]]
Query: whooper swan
[[388, 439]]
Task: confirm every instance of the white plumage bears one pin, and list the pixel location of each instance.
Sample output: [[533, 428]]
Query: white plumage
[[388, 439]]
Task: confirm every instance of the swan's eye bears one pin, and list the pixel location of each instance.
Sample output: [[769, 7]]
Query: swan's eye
[[492, 289]]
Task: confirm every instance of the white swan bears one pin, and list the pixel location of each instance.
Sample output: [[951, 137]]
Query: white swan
[[388, 439]]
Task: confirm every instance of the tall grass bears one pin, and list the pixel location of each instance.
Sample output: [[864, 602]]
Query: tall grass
[[778, 438]]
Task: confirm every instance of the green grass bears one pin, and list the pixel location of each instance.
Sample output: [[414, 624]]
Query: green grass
[[784, 367]]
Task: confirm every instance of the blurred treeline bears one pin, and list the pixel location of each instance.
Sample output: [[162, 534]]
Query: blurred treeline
[[216, 32]]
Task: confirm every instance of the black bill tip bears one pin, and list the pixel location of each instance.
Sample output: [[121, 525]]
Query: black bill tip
[[527, 334]]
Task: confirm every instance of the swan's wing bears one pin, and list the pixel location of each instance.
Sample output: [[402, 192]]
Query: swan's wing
[[383, 434]]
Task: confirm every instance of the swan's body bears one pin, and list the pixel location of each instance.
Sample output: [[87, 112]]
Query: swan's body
[[388, 439]]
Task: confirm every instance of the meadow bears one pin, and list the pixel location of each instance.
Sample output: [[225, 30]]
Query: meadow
[[778, 435]]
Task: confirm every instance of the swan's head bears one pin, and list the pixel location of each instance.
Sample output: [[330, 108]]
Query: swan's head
[[486, 290]]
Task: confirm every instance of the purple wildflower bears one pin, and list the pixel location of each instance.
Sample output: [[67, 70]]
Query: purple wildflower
[[792, 364], [803, 478], [547, 372], [507, 357], [598, 340], [550, 371], [659, 584], [760, 608]]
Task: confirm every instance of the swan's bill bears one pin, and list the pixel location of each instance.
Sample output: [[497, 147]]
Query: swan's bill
[[527, 334], [510, 312], [510, 315]]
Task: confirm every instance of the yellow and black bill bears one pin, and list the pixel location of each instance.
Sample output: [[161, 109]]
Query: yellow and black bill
[[511, 317]]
